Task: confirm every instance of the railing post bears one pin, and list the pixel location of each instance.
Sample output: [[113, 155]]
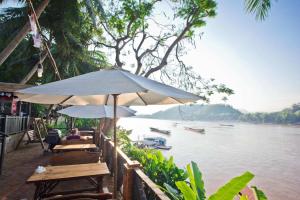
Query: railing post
[[5, 125], [2, 151], [128, 179], [105, 149]]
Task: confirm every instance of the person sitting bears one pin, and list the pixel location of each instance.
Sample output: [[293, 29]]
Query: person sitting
[[74, 134]]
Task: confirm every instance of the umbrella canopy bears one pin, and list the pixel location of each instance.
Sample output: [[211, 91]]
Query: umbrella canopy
[[95, 112], [106, 87], [96, 88]]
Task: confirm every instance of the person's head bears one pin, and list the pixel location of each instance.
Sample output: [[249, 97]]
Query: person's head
[[74, 131]]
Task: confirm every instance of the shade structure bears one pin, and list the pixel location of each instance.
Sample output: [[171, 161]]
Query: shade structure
[[107, 87], [96, 88], [96, 112]]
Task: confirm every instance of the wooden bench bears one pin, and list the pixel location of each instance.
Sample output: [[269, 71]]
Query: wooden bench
[[100, 196], [76, 147], [74, 157], [45, 182]]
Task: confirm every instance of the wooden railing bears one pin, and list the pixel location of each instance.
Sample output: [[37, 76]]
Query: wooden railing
[[136, 184], [13, 124]]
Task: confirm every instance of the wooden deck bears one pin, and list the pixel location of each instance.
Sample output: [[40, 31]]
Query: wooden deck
[[19, 166]]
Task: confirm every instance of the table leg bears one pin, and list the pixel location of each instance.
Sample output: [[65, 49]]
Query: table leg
[[39, 190], [42, 188], [100, 184]]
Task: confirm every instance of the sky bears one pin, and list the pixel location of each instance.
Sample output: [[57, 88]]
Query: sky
[[260, 61]]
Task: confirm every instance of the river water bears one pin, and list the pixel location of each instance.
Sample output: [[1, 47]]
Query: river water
[[271, 152]]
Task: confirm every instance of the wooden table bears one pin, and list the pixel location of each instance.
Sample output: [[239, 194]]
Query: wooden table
[[45, 182], [89, 132], [72, 147]]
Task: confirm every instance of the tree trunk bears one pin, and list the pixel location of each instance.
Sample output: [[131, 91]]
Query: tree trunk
[[21, 35]]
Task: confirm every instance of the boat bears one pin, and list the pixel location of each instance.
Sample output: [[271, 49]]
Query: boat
[[198, 130], [229, 125], [175, 124], [166, 132], [155, 143]]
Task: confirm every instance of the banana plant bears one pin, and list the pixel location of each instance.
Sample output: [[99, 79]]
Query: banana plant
[[233, 187], [194, 189]]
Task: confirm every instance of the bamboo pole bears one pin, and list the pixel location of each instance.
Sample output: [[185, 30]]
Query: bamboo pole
[[46, 45]]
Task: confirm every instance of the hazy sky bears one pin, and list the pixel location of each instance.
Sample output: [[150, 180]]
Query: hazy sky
[[259, 60]]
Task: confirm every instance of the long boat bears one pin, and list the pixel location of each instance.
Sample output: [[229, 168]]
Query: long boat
[[197, 130], [166, 132], [230, 125]]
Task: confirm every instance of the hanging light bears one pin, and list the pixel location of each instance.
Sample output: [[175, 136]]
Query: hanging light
[[40, 70]]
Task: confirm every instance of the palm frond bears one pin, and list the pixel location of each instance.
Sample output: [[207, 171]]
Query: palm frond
[[260, 8]]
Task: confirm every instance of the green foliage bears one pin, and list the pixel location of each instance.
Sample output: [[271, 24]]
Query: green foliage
[[84, 123], [156, 166], [38, 110], [286, 116], [62, 126], [195, 188], [232, 188], [260, 194], [122, 136], [69, 31], [260, 8]]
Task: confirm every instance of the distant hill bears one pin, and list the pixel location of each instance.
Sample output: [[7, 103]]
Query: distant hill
[[222, 112], [213, 112]]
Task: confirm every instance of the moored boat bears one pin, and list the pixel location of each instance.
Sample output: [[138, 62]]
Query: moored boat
[[166, 132], [155, 143], [197, 130], [229, 125]]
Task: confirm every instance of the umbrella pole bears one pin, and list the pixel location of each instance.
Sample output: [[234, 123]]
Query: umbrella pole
[[115, 148]]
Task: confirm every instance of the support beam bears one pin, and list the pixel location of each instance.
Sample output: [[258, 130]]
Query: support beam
[[33, 70], [21, 35]]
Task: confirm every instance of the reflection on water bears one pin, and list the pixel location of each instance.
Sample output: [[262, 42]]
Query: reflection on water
[[271, 152]]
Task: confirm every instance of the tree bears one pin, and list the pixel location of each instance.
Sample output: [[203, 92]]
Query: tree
[[73, 27], [129, 35], [68, 30]]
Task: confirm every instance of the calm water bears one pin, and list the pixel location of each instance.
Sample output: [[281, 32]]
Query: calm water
[[271, 152]]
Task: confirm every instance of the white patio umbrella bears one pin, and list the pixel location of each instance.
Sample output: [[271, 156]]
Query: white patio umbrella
[[96, 112], [106, 87]]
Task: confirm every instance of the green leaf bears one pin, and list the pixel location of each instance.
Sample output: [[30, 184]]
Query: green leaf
[[243, 197], [185, 189], [232, 188], [198, 181], [171, 191], [260, 194]]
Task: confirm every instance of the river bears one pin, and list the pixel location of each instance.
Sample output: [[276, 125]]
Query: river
[[271, 152]]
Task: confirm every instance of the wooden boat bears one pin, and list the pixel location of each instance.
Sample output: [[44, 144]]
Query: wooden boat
[[197, 130], [163, 147], [166, 132], [229, 125], [155, 143]]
